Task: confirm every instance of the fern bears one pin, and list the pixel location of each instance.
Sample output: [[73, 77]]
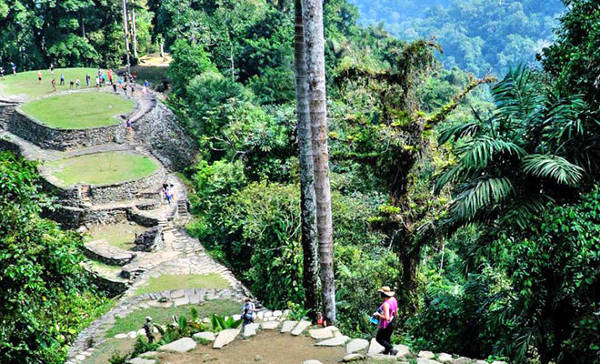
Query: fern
[[552, 167], [481, 195]]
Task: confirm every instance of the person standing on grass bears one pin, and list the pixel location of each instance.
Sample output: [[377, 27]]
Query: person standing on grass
[[98, 82], [71, 84], [62, 79], [53, 82], [87, 80], [110, 80], [39, 74], [14, 68], [51, 69], [77, 83], [387, 315]]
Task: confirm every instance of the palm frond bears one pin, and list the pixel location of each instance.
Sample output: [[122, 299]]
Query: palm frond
[[480, 196], [480, 151], [552, 167], [458, 131], [450, 175]]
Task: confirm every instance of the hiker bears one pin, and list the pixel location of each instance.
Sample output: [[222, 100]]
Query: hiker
[[39, 75], [62, 79], [53, 82], [129, 125], [387, 316], [168, 194], [149, 329], [77, 83], [14, 68], [110, 76], [98, 81], [87, 80], [51, 68], [114, 85], [132, 89], [145, 89], [2, 72], [248, 310]]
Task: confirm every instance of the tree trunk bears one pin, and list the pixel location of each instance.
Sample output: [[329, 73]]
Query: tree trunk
[[315, 58], [126, 34], [307, 173], [134, 28]]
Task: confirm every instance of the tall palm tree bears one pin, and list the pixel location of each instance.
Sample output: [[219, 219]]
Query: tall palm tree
[[307, 172], [312, 14], [520, 157]]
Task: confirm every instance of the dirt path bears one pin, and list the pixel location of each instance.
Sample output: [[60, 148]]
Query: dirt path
[[268, 347]]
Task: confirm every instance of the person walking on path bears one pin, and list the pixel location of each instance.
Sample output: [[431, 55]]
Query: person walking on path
[[145, 89], [248, 310], [62, 79], [387, 315], [39, 75], [87, 80]]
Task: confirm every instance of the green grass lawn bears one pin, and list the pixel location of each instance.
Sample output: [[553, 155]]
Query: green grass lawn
[[105, 270], [101, 168], [120, 235], [79, 110], [26, 83], [135, 320], [183, 281]]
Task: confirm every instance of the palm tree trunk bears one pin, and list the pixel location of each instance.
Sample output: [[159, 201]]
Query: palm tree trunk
[[307, 173], [126, 34], [134, 29], [315, 58]]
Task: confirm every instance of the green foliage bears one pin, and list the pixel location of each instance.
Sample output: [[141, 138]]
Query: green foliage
[[189, 60], [297, 312], [142, 345], [477, 36], [118, 358], [527, 142], [220, 323], [46, 296]]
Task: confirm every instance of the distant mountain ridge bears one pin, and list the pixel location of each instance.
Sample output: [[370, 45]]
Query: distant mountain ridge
[[477, 35]]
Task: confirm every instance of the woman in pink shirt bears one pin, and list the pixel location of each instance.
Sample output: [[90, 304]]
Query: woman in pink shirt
[[387, 313]]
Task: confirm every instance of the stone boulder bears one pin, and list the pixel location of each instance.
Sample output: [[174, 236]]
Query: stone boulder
[[302, 325], [445, 358], [225, 337], [288, 326], [179, 346], [335, 341], [323, 333], [269, 325], [250, 330], [149, 241], [375, 348], [353, 357], [356, 345], [402, 350], [205, 335], [426, 354]]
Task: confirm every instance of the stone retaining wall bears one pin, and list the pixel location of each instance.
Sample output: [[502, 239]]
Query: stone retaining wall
[[74, 217], [62, 139], [159, 131], [147, 188]]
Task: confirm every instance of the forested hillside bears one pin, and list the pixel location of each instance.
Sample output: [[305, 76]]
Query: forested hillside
[[475, 198], [476, 35]]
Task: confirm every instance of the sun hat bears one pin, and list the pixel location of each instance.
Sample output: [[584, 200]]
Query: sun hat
[[386, 291]]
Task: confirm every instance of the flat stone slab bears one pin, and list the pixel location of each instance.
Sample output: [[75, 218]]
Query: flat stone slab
[[353, 357], [402, 350], [288, 326], [225, 337], [179, 346], [311, 362], [426, 361], [426, 354], [149, 355], [250, 330], [375, 348], [141, 361], [447, 358], [302, 325], [323, 333], [382, 357], [335, 341], [121, 336], [101, 250], [269, 325], [356, 345], [205, 335]]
